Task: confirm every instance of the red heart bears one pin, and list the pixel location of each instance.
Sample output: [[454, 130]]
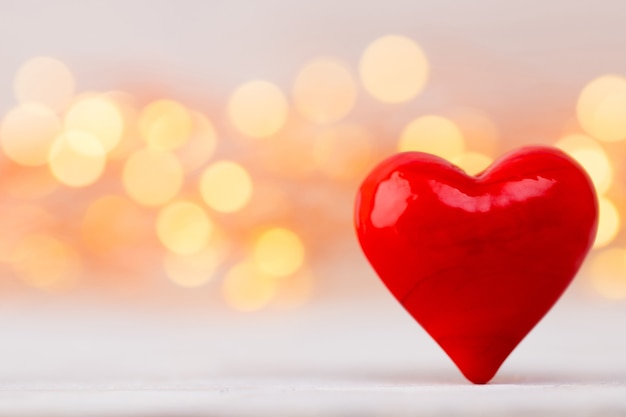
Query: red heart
[[477, 261]]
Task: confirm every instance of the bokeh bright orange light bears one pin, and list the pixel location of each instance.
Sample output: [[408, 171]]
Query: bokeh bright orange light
[[258, 109], [324, 91], [432, 134], [165, 124], [28, 132], [99, 116], [77, 158], [46, 81], [601, 108], [278, 252], [393, 69], [225, 186], [184, 227], [152, 177]]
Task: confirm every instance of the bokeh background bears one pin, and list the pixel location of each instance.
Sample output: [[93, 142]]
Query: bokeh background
[[208, 153]]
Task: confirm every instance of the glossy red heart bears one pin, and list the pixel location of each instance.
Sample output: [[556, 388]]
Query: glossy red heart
[[477, 261]]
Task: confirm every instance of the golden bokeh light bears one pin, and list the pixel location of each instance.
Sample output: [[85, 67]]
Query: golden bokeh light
[[432, 134], [193, 270], [592, 157], [608, 222], [165, 124], [393, 69], [111, 222], [472, 163], [278, 252], [152, 177], [225, 186], [99, 116], [601, 108], [344, 151], [324, 91], [608, 273], [77, 158], [245, 288], [183, 227], [45, 262], [258, 109], [27, 133], [200, 147], [45, 81]]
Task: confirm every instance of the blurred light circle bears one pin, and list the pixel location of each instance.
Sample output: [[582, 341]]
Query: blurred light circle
[[245, 288], [278, 252], [165, 124], [608, 273], [432, 134], [343, 152], [608, 222], [192, 270], [225, 186], [45, 81], [472, 163], [592, 157], [258, 109], [45, 262], [324, 91], [200, 147], [110, 223], [183, 227], [98, 116], [77, 158], [601, 108], [28, 132], [393, 69], [152, 177]]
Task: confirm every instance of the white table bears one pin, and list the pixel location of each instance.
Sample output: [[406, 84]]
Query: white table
[[92, 358]]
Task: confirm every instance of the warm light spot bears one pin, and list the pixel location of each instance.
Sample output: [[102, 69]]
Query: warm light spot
[[152, 177], [45, 81], [27, 133], [278, 252], [601, 108], [432, 134], [111, 222], [472, 162], [201, 145], [245, 288], [258, 109], [592, 157], [165, 124], [183, 227], [324, 91], [77, 158], [343, 152], [192, 270], [608, 223], [45, 262], [393, 69], [98, 116], [608, 273], [226, 186]]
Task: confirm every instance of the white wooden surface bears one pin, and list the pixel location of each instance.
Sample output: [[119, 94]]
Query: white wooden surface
[[68, 358]]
